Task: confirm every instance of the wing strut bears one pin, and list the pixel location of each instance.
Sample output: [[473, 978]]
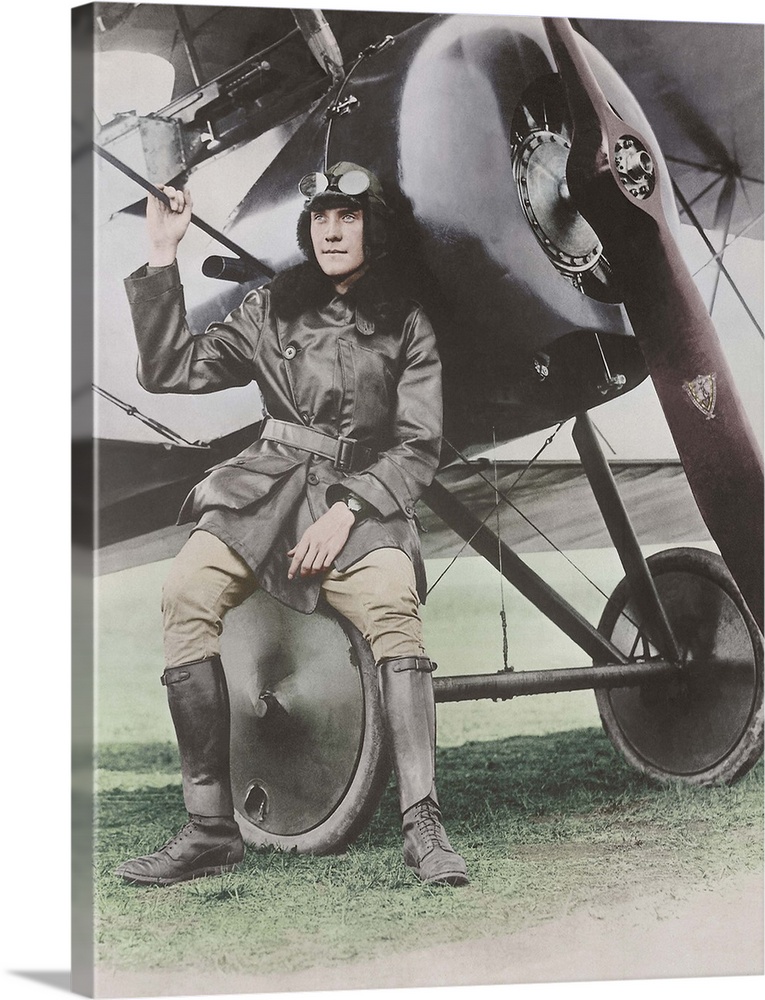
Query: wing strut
[[321, 41]]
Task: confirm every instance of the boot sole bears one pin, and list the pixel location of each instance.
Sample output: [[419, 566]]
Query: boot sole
[[455, 878], [188, 877]]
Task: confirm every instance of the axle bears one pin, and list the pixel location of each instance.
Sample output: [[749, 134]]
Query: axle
[[509, 684]]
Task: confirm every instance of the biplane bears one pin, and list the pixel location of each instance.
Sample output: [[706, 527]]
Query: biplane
[[538, 219]]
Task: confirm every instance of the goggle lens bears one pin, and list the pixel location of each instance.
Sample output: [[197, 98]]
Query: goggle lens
[[354, 182]]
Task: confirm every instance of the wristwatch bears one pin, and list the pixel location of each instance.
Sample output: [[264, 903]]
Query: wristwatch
[[354, 505]]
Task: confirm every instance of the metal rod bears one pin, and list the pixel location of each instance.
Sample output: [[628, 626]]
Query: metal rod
[[692, 216], [709, 168], [718, 256], [469, 527], [195, 220], [188, 45], [511, 684], [653, 619], [155, 425]]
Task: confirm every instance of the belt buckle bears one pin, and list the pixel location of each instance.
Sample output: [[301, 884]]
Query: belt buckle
[[344, 454]]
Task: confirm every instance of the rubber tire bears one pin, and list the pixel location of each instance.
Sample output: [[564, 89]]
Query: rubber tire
[[748, 746]]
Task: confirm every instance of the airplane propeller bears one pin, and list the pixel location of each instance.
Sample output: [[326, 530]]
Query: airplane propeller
[[613, 179]]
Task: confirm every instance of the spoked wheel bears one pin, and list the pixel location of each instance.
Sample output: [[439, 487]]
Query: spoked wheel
[[308, 763], [703, 726]]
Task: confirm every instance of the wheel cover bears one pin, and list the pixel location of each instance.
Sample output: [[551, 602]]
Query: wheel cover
[[687, 725], [294, 752]]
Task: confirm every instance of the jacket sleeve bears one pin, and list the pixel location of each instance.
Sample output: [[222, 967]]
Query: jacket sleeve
[[170, 357], [401, 473]]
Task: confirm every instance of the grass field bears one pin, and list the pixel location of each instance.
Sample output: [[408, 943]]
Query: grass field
[[547, 814]]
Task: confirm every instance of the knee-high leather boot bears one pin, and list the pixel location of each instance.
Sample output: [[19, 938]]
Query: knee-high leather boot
[[406, 694], [210, 843]]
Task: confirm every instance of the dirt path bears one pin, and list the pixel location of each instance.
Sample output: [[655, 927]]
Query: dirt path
[[717, 932]]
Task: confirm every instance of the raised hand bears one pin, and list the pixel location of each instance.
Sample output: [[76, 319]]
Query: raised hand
[[167, 224]]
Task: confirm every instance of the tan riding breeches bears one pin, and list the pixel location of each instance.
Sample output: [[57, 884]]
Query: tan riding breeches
[[377, 594]]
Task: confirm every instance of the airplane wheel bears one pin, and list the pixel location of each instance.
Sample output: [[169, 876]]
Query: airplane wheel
[[308, 762], [704, 726]]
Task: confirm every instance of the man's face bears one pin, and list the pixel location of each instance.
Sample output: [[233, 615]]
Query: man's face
[[337, 235]]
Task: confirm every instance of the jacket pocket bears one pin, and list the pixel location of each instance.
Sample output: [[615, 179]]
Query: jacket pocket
[[239, 482], [269, 457], [369, 388]]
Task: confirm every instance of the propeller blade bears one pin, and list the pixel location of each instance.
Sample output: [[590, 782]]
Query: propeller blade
[[613, 180]]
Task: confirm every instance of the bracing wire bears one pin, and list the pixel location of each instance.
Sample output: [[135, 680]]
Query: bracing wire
[[505, 498], [515, 482], [502, 611], [456, 556]]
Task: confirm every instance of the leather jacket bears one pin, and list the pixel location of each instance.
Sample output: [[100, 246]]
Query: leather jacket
[[338, 367]]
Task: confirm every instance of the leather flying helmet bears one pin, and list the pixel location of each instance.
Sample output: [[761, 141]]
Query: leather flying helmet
[[349, 185]]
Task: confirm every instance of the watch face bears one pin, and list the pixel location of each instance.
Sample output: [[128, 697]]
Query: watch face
[[353, 504]]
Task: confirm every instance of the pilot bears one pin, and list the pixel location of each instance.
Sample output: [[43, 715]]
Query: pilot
[[323, 502]]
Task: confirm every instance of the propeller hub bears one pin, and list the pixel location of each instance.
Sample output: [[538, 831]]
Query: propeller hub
[[635, 167]]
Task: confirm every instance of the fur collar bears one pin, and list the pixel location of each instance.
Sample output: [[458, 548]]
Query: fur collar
[[305, 287]]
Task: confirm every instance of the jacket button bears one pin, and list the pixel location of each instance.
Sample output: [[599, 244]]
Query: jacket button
[[313, 478], [409, 511], [290, 351]]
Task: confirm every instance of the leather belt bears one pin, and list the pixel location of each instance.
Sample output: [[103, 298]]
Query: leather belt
[[345, 452]]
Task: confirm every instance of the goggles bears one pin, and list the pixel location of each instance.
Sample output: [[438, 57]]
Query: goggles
[[352, 183]]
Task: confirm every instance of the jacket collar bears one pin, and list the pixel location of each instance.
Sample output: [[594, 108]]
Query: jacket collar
[[364, 323], [304, 287]]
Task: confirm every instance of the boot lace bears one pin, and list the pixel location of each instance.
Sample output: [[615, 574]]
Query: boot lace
[[185, 831], [428, 824]]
